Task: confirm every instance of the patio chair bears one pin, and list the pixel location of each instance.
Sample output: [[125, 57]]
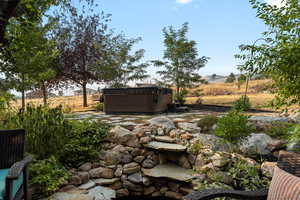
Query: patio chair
[[289, 162], [13, 165]]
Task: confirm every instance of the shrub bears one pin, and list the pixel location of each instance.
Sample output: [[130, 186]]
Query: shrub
[[233, 126], [242, 104], [99, 107], [46, 129], [83, 142], [207, 122], [247, 177], [47, 175], [278, 129]]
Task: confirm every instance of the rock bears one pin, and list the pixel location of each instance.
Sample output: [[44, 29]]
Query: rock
[[69, 196], [135, 178], [187, 126], [131, 168], [225, 178], [175, 133], [219, 161], [156, 194], [112, 157], [84, 176], [120, 135], [161, 146], [269, 119], [67, 188], [146, 181], [149, 190], [186, 190], [75, 180], [163, 122], [163, 190], [145, 140], [85, 167], [117, 185], [126, 158], [133, 187], [200, 162], [257, 144], [160, 131], [104, 181], [165, 139], [119, 171], [213, 142], [128, 125], [101, 173], [267, 168], [276, 145], [186, 136], [87, 185], [122, 193], [174, 186], [139, 159], [209, 166], [148, 163], [176, 120], [295, 116], [173, 195], [169, 171], [102, 193], [184, 162]]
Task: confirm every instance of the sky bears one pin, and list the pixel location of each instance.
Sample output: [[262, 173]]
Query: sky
[[218, 27]]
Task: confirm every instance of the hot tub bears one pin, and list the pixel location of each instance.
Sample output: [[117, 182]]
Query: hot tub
[[148, 100]]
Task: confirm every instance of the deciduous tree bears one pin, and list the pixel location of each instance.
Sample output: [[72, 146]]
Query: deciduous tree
[[181, 60], [278, 53]]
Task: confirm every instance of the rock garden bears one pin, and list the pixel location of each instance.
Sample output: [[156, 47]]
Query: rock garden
[[164, 157]]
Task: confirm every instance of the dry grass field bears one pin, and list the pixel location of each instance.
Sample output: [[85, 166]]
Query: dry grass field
[[216, 93]]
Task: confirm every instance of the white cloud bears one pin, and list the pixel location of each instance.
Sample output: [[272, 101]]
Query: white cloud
[[279, 3], [183, 1]]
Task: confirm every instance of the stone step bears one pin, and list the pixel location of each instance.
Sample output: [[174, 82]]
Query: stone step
[[165, 139], [163, 146], [171, 171]]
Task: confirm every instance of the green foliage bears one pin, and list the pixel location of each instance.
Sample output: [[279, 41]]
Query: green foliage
[[278, 54], [242, 104], [83, 142], [207, 122], [47, 175], [46, 129], [233, 127], [294, 138], [247, 177], [181, 61], [279, 130], [99, 107], [230, 78]]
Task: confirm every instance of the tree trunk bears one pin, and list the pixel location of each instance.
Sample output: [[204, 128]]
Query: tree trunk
[[84, 95], [23, 99], [45, 95]]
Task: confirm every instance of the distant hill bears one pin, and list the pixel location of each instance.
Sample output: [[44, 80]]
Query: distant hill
[[218, 78]]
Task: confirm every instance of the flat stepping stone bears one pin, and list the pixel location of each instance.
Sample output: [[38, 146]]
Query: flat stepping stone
[[104, 181], [169, 171], [163, 146], [165, 139], [102, 193]]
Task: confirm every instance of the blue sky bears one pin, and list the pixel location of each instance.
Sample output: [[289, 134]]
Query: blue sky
[[218, 26]]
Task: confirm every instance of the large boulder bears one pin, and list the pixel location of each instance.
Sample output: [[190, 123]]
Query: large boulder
[[163, 122], [120, 135], [187, 126], [269, 119], [260, 144]]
